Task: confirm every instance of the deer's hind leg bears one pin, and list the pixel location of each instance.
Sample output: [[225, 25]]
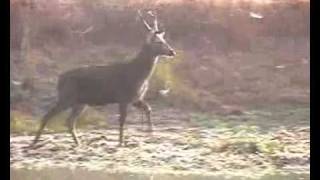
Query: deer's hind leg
[[146, 108], [122, 119], [72, 119], [44, 121], [139, 107]]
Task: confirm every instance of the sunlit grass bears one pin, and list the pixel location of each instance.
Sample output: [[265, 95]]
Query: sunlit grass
[[22, 123]]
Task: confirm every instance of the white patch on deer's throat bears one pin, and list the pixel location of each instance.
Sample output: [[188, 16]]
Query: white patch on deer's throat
[[160, 37], [142, 91], [155, 62]]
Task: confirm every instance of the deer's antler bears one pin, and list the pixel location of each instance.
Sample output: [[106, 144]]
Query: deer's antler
[[144, 21], [155, 21], [155, 27]]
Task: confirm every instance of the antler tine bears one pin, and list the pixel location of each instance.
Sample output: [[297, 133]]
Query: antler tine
[[155, 22], [144, 21]]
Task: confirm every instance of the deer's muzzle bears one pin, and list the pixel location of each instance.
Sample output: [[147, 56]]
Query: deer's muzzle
[[172, 53]]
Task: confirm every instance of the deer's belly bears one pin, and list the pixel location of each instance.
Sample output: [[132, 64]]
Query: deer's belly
[[97, 100], [96, 96], [102, 96]]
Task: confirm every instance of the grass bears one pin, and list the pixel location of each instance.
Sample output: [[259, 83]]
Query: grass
[[230, 144], [22, 123], [262, 118], [248, 143], [255, 131], [241, 139]]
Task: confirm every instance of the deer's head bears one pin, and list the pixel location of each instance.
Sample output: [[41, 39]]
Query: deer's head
[[155, 41]]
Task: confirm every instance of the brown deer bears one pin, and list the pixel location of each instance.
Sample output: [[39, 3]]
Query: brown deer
[[120, 83]]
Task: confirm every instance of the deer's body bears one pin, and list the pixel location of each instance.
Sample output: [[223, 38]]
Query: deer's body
[[121, 83], [100, 85]]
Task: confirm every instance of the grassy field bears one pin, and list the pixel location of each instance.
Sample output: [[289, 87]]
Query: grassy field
[[271, 142]]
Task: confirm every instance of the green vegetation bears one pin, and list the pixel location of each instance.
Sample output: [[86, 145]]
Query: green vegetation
[[254, 131], [22, 123], [263, 118]]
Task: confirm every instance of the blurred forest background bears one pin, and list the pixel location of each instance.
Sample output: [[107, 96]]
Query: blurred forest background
[[232, 55]]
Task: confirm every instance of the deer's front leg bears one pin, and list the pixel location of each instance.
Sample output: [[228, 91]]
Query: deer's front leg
[[122, 119], [147, 110]]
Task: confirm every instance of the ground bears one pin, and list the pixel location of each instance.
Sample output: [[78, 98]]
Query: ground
[[253, 144]]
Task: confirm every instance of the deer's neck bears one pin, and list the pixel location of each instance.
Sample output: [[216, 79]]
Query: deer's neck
[[144, 64]]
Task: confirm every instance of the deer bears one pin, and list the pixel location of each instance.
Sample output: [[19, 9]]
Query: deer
[[123, 84]]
